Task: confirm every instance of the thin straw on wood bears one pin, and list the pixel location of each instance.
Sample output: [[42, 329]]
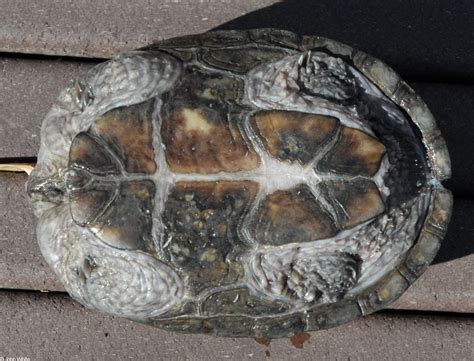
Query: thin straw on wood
[[17, 167]]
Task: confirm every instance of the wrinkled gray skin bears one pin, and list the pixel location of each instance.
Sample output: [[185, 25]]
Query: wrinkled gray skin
[[266, 290]]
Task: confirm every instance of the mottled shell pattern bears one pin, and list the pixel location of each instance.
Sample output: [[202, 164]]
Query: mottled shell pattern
[[240, 183]]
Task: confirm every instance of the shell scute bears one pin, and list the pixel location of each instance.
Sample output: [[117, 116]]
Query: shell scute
[[87, 205], [127, 222], [353, 202], [198, 129], [294, 136], [128, 131], [291, 216], [86, 152], [248, 58], [240, 301], [201, 221], [355, 153]]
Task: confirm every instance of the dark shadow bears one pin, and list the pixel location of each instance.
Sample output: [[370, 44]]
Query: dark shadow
[[423, 40], [453, 107], [30, 160], [424, 313]]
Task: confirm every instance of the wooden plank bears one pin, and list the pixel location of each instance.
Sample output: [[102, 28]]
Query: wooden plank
[[21, 264], [420, 40], [28, 88], [102, 29], [446, 286], [52, 327]]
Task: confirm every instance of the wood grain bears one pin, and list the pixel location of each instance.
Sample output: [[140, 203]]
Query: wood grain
[[102, 29], [53, 327]]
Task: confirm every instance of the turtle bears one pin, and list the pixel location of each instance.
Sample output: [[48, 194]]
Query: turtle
[[243, 183]]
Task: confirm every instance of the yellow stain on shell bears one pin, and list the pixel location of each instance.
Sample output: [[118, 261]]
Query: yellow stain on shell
[[195, 121], [208, 94], [384, 294], [209, 255]]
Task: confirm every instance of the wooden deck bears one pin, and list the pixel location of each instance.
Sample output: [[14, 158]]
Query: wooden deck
[[45, 44]]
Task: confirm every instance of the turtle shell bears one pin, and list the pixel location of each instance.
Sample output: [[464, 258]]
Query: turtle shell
[[240, 183]]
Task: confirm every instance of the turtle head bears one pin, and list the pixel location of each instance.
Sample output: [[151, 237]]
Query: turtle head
[[50, 189]]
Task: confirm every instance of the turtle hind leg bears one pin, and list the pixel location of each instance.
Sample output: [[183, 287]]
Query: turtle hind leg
[[327, 277], [303, 276]]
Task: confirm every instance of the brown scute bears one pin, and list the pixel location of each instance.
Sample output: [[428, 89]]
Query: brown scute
[[355, 153], [292, 216], [294, 136], [86, 205], [355, 201], [201, 221], [128, 131], [195, 142], [86, 152], [127, 224]]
